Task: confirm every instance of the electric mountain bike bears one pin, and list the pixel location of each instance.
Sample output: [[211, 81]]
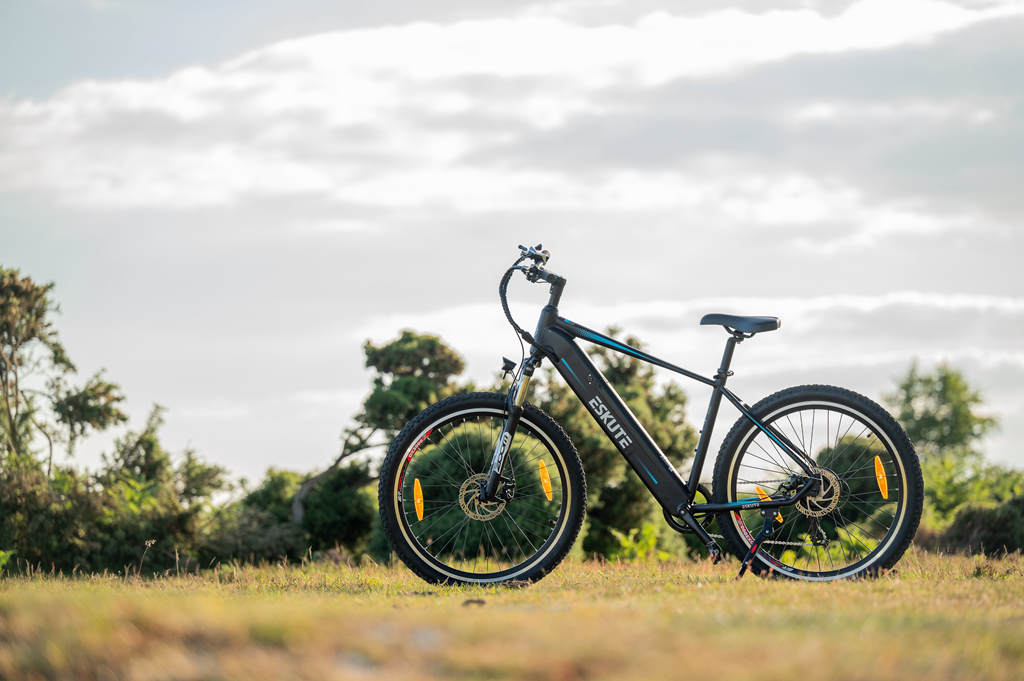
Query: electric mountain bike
[[813, 482]]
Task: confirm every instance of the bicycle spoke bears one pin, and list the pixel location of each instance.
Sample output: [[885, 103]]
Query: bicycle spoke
[[836, 530], [454, 526]]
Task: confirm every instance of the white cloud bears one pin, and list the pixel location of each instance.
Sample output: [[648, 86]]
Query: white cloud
[[343, 114], [829, 112]]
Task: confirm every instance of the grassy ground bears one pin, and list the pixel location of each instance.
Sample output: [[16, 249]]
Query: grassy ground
[[936, 618]]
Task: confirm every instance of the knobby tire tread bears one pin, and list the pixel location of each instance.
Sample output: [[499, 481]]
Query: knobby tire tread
[[904, 449], [561, 440]]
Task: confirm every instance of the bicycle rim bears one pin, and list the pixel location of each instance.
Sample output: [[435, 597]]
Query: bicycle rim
[[855, 517], [442, 521]]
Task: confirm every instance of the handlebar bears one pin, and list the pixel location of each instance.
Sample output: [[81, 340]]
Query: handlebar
[[534, 273], [535, 253]]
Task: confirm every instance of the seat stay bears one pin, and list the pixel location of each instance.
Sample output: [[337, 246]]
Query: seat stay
[[791, 450]]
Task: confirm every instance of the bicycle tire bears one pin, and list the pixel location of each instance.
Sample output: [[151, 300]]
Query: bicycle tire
[[862, 548], [460, 433]]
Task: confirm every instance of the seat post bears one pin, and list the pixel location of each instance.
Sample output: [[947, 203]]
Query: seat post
[[730, 347]]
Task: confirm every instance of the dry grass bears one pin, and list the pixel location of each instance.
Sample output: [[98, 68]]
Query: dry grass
[[937, 618]]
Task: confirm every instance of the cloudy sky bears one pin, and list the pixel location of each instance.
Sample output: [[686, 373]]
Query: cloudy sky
[[233, 196]]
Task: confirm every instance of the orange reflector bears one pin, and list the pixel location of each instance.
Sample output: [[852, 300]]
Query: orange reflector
[[417, 498], [883, 484], [764, 497], [545, 480]]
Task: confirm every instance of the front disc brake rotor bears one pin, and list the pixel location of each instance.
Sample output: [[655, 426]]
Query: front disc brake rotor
[[469, 500]]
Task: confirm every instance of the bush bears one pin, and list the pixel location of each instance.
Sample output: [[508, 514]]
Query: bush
[[274, 494], [250, 534], [45, 522], [139, 506], [992, 529], [339, 511]]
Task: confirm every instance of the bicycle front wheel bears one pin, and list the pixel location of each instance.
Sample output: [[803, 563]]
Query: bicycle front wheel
[[431, 477], [867, 509]]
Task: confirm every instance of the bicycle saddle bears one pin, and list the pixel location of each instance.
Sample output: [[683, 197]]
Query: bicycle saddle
[[742, 324]]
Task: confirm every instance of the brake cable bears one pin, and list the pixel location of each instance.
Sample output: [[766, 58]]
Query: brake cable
[[503, 294]]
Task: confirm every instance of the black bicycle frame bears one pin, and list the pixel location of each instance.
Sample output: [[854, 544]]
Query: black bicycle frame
[[555, 339]]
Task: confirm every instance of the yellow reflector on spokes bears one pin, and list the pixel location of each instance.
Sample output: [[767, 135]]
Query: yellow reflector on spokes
[[545, 480], [417, 498], [764, 497], [883, 483]]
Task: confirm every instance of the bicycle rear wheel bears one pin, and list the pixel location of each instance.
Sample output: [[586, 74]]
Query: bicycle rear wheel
[[868, 507], [429, 488]]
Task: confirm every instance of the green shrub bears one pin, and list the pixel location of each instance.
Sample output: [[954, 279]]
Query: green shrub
[[274, 494], [248, 534], [339, 511], [140, 512], [992, 529]]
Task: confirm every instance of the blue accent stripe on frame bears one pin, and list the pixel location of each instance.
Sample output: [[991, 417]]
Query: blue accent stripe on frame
[[649, 472], [570, 369], [784, 447], [614, 343]]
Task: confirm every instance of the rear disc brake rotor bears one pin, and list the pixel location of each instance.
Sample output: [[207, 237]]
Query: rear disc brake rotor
[[827, 498]]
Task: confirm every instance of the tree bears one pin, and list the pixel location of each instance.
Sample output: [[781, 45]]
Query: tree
[[142, 501], [410, 373], [35, 397], [618, 501], [939, 411]]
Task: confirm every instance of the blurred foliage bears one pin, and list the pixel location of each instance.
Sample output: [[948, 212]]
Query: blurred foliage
[[640, 543], [993, 529], [139, 503], [274, 494], [35, 397], [939, 410], [970, 504], [147, 510], [410, 373], [340, 510]]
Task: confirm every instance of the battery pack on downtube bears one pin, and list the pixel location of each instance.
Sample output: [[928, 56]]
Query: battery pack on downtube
[[616, 420]]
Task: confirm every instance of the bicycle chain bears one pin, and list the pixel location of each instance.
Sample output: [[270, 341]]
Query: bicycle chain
[[768, 541]]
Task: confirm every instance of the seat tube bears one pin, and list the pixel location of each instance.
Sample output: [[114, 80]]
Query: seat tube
[[712, 414]]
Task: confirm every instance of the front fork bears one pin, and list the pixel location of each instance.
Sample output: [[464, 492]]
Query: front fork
[[516, 400]]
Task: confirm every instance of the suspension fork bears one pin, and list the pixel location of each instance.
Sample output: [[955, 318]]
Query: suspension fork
[[516, 400]]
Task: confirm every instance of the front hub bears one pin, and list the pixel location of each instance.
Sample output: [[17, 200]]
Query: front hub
[[471, 503]]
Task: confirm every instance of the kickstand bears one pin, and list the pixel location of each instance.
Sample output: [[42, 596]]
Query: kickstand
[[766, 531]]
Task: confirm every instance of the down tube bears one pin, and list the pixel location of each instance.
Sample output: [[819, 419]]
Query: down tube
[[617, 421]]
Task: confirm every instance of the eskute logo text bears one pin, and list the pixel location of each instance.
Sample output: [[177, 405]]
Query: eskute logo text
[[611, 424]]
